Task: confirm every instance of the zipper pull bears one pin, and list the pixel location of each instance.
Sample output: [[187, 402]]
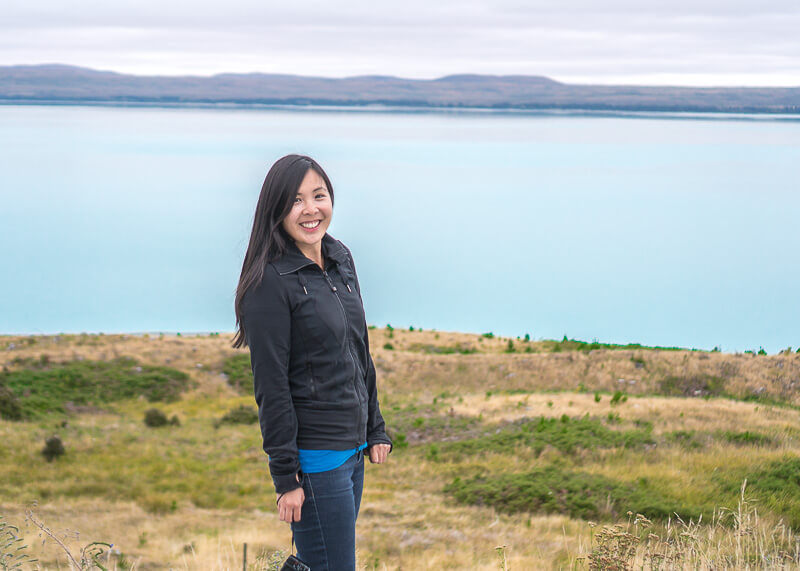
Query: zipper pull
[[348, 288], [330, 283]]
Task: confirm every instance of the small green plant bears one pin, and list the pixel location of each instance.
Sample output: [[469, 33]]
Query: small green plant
[[154, 418], [488, 335], [761, 351], [510, 347], [618, 397], [597, 397], [388, 346], [53, 448], [411, 328], [399, 440], [527, 338]]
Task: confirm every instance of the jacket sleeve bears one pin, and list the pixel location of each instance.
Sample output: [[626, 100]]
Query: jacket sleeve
[[376, 427], [267, 325]]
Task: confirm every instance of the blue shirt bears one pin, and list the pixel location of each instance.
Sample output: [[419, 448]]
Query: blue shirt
[[323, 460]]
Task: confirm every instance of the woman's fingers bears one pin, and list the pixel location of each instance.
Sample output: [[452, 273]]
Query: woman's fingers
[[378, 453], [290, 505]]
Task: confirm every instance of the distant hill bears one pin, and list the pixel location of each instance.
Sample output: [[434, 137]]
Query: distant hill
[[69, 84]]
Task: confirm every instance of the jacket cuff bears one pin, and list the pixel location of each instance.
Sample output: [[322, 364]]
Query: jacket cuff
[[287, 483]]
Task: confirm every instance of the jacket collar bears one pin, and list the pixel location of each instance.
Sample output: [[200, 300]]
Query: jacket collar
[[294, 259]]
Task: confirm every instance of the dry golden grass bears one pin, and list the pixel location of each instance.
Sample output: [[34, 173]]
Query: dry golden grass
[[406, 522]]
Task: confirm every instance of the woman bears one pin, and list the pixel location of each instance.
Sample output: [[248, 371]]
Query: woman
[[299, 309]]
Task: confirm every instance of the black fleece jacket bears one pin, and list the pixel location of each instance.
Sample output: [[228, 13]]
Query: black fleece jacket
[[313, 375]]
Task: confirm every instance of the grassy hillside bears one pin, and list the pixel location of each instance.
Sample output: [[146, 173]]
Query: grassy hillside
[[548, 454]]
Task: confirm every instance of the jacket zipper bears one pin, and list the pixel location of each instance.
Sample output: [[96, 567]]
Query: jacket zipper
[[347, 330]]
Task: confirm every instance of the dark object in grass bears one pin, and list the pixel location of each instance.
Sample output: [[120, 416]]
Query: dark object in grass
[[154, 418], [53, 448], [242, 414]]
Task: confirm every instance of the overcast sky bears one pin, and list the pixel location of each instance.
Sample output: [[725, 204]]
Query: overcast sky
[[677, 42]]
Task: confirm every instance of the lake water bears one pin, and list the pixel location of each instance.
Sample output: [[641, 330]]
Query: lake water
[[660, 230]]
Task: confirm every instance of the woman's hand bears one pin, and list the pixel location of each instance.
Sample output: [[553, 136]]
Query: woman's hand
[[378, 453], [290, 504]]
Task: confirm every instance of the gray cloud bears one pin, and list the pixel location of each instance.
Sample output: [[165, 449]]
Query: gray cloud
[[690, 42]]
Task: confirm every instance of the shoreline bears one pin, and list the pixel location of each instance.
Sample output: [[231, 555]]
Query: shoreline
[[544, 111]]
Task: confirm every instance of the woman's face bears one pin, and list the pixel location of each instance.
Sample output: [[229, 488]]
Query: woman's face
[[311, 212]]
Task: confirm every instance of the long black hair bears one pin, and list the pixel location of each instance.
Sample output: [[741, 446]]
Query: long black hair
[[268, 240]]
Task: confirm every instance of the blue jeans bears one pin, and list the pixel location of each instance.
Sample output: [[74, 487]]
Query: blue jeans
[[326, 532]]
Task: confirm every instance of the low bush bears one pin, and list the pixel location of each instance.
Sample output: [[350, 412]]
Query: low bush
[[565, 434], [53, 448], [692, 386], [43, 387], [154, 418], [775, 485], [746, 437], [575, 494], [242, 414], [239, 373], [442, 349], [10, 408]]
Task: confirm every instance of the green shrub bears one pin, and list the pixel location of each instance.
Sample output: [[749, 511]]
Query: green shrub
[[510, 347], [684, 438], [564, 434], [53, 448], [242, 414], [10, 408], [775, 485], [399, 440], [43, 387], [746, 437], [154, 418], [576, 494], [388, 346], [442, 349], [692, 386], [239, 373], [619, 397]]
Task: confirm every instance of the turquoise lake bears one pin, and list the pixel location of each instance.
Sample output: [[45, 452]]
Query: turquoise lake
[[674, 230]]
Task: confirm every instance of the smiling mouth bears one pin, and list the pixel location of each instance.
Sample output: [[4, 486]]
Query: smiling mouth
[[310, 225]]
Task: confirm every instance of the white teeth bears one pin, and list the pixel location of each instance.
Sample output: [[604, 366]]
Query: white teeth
[[310, 224]]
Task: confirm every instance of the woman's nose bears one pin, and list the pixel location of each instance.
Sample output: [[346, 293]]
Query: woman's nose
[[309, 207]]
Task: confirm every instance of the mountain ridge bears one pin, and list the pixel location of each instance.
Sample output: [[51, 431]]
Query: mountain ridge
[[62, 83]]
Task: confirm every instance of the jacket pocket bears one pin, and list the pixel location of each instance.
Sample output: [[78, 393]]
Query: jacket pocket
[[311, 383]]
